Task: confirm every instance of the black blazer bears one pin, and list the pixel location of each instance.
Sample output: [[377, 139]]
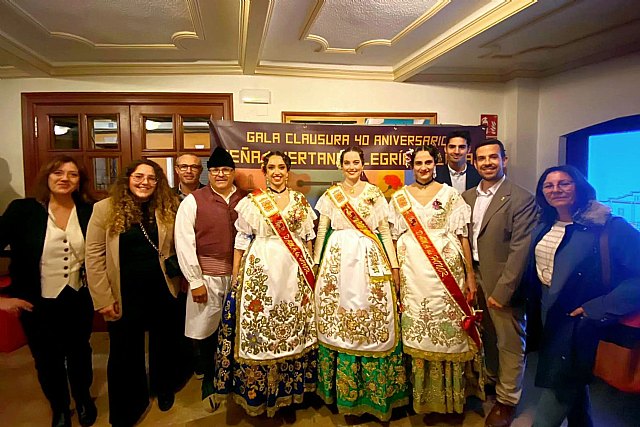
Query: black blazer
[[443, 176], [24, 227]]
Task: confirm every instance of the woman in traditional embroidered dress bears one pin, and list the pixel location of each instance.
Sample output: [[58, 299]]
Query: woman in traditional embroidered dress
[[446, 363], [267, 352], [360, 365]]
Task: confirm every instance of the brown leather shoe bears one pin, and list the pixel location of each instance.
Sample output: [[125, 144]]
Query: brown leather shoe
[[501, 415]]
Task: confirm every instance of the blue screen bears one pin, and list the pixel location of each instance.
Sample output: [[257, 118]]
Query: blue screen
[[614, 171]]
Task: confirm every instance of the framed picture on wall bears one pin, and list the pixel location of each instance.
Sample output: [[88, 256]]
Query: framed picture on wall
[[359, 118]]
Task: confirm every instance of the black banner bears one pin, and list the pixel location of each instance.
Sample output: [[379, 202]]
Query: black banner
[[317, 146]]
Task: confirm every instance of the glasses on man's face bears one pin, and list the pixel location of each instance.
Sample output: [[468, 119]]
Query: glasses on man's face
[[217, 171], [138, 177], [184, 168], [562, 185]]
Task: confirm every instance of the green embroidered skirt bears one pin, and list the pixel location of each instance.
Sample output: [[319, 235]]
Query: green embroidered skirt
[[443, 385], [361, 384]]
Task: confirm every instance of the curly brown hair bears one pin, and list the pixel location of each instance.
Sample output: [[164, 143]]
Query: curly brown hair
[[82, 194], [125, 210]]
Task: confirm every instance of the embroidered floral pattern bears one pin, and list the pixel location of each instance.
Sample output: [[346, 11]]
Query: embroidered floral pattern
[[273, 328], [361, 326], [441, 212], [297, 214], [442, 328], [365, 201], [360, 384], [265, 387]]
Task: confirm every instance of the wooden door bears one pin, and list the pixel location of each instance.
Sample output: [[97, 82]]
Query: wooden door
[[163, 132], [99, 136], [106, 131]]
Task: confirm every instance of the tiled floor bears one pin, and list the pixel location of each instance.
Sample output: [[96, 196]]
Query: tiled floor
[[23, 404]]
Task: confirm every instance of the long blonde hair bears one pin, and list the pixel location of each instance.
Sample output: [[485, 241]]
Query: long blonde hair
[[125, 211]]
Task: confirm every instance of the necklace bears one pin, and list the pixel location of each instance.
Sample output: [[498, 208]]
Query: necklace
[[423, 186], [351, 188], [277, 193]]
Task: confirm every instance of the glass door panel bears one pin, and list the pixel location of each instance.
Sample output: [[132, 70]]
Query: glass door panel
[[104, 132], [196, 133], [64, 132], [105, 172]]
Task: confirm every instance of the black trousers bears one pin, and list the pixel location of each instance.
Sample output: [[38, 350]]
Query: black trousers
[[152, 308], [58, 332]]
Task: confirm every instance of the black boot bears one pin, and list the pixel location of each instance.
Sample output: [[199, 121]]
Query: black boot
[[87, 412], [61, 419]]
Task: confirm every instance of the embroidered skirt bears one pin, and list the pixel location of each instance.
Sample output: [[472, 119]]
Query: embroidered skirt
[[260, 387], [362, 384], [443, 385]]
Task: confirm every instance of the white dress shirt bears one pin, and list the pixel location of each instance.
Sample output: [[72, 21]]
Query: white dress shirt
[[185, 239], [62, 256], [458, 179], [479, 209]]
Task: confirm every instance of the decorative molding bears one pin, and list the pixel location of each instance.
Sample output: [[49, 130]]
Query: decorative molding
[[194, 13], [332, 116], [154, 68], [324, 44], [11, 72], [243, 30], [26, 59], [325, 71], [490, 18], [254, 25]]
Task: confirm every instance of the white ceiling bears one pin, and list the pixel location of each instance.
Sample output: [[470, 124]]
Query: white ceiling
[[401, 40]]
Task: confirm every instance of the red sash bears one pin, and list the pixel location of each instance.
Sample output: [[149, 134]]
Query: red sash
[[440, 266], [270, 210], [337, 196]]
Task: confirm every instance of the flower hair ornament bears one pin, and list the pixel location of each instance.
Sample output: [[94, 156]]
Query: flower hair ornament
[[407, 158], [338, 162]]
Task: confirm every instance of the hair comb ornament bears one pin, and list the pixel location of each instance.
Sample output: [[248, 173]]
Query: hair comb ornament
[[407, 158], [338, 162]]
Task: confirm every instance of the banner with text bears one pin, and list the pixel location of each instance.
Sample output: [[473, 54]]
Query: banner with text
[[314, 150]]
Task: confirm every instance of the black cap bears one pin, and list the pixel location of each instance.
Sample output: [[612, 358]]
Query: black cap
[[220, 158]]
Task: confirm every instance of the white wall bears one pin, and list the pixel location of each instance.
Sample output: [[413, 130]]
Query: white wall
[[533, 114], [461, 104], [585, 97]]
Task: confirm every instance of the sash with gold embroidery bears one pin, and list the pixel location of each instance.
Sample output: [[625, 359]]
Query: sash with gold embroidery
[[337, 196], [440, 266], [270, 210]]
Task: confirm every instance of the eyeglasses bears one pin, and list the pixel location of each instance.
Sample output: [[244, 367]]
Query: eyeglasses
[[138, 177], [183, 168], [224, 171], [562, 185]]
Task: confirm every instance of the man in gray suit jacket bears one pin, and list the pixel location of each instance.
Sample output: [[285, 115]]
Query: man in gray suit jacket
[[503, 215]]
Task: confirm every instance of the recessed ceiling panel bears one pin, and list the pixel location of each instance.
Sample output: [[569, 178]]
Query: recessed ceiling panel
[[288, 34], [359, 39], [112, 22], [362, 22]]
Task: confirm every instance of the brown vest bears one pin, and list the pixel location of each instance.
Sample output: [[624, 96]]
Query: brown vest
[[215, 230]]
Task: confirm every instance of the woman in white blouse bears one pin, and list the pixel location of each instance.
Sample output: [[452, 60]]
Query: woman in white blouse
[[429, 222], [267, 348], [46, 236]]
